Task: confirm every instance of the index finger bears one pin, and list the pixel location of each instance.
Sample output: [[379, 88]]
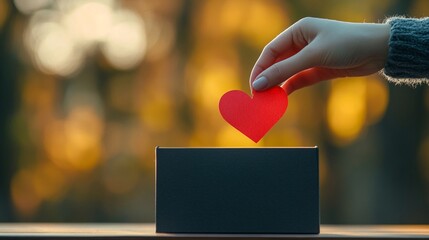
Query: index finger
[[272, 52], [286, 44]]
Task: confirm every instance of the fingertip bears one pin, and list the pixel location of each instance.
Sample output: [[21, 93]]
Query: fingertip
[[260, 84]]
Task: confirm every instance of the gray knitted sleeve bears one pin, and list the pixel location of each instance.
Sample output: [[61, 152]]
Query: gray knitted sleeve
[[408, 57]]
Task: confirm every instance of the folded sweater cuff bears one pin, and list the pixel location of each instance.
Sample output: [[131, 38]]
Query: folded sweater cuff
[[408, 57]]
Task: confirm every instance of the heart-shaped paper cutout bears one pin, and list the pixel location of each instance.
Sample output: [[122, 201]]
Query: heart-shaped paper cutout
[[254, 117]]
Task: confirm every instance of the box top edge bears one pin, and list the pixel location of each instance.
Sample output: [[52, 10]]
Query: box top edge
[[312, 147]]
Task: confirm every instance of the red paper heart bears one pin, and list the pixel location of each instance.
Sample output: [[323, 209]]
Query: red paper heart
[[254, 117]]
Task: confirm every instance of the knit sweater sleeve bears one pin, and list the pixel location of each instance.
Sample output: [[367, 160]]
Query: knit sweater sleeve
[[408, 56]]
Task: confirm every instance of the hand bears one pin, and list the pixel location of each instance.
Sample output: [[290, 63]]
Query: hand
[[313, 50]]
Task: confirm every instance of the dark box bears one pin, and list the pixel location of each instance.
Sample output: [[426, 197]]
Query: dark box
[[237, 190]]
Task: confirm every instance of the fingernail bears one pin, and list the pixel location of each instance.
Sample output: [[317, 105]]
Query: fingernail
[[260, 83]]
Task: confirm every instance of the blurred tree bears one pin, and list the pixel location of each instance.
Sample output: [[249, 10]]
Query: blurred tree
[[9, 68]]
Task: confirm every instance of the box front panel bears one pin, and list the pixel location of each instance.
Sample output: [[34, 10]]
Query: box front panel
[[237, 190]]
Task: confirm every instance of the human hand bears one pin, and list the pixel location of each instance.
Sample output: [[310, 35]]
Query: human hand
[[313, 50]]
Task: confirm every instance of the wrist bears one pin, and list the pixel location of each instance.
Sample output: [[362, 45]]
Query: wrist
[[380, 43]]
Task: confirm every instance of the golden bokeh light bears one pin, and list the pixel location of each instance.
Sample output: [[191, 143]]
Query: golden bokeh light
[[88, 21], [346, 109], [161, 39], [353, 104], [31, 187], [60, 37], [218, 20], [49, 182], [29, 6], [263, 21], [213, 83], [54, 51], [52, 48], [211, 74], [74, 144], [231, 137], [24, 194], [284, 136], [255, 21], [125, 42]]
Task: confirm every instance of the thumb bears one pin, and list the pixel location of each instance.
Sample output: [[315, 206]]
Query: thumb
[[281, 71]]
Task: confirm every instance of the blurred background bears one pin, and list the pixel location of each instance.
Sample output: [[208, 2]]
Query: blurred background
[[89, 88]]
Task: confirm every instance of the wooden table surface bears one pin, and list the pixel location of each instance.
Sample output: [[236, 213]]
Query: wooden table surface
[[147, 231]]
